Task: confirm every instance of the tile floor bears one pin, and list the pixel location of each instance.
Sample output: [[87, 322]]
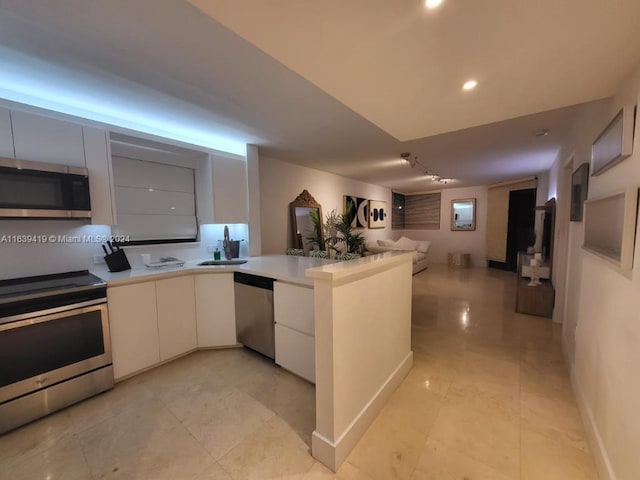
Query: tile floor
[[488, 398]]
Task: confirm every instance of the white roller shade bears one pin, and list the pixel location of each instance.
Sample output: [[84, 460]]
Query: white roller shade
[[498, 216], [154, 201]]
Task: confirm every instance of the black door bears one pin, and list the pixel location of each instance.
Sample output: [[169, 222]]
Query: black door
[[521, 227]]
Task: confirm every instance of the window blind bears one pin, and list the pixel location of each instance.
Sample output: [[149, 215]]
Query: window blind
[[154, 201], [416, 212], [397, 212], [422, 212], [498, 217]]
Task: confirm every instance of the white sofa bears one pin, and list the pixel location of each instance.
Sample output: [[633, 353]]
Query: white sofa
[[419, 247]]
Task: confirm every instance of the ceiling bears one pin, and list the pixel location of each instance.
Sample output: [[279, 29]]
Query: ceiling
[[346, 86], [402, 66]]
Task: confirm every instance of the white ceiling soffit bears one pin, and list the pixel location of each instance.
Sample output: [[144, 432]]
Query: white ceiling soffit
[[401, 66]]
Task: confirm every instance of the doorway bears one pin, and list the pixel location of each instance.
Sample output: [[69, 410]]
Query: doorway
[[521, 225]]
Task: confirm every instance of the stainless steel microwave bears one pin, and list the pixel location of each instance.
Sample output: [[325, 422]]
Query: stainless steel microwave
[[43, 190]]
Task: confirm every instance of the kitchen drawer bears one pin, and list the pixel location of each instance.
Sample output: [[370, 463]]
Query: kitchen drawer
[[293, 307], [295, 352]]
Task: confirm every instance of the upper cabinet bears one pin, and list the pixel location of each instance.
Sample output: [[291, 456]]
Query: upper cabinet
[[221, 188], [6, 137], [96, 146], [48, 140], [230, 190]]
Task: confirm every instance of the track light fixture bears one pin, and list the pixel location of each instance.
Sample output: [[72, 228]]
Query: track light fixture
[[407, 160]]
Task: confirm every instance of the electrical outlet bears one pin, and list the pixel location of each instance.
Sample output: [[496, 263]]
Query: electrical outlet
[[97, 259], [211, 248]]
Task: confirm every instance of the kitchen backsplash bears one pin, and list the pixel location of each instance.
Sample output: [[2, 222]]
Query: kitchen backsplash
[[38, 247]]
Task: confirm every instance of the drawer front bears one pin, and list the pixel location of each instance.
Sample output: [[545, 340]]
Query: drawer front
[[293, 307], [295, 352]]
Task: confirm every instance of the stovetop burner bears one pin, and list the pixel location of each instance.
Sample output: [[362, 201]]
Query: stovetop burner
[[19, 289]]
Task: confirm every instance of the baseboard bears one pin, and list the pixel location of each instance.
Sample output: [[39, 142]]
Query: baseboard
[[600, 455], [332, 454]]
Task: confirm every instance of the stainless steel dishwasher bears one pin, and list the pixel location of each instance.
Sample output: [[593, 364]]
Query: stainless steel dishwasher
[[254, 312]]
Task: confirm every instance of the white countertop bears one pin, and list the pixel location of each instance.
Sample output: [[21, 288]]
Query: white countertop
[[344, 272], [285, 268]]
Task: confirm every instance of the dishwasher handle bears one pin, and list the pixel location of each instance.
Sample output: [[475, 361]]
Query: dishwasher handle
[[265, 283]]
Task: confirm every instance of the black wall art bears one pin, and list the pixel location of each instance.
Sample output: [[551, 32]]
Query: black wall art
[[362, 210]]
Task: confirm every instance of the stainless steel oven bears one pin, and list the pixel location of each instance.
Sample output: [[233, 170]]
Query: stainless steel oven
[[55, 346]]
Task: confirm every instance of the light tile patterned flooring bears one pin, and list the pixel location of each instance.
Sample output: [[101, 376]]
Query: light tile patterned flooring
[[488, 398]]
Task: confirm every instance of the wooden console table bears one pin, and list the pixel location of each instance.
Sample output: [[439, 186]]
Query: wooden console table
[[536, 300], [459, 259]]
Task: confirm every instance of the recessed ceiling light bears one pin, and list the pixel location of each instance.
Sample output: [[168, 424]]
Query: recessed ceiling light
[[469, 85], [432, 3]]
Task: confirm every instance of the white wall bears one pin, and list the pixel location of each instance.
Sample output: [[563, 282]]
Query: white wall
[[73, 246], [37, 257], [598, 304], [444, 240], [281, 183]]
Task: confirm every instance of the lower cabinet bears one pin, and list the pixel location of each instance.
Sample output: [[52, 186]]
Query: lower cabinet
[[215, 310], [155, 321], [176, 304], [134, 327], [294, 329]]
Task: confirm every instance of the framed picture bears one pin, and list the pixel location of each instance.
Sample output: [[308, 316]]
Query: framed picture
[[579, 190], [377, 214], [361, 206], [615, 143]]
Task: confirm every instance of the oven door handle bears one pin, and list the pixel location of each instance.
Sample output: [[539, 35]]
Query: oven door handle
[[25, 319]]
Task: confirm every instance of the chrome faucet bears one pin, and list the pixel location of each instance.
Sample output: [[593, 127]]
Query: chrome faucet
[[226, 244]]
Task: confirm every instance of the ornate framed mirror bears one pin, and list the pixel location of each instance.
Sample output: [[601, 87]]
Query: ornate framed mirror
[[306, 223], [463, 214]]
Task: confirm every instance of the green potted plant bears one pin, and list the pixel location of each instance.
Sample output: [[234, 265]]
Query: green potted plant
[[315, 239], [338, 229], [354, 241]]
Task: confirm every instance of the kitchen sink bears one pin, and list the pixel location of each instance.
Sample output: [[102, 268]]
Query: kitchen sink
[[222, 262]]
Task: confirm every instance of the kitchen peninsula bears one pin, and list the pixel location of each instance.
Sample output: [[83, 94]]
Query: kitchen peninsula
[[361, 329]]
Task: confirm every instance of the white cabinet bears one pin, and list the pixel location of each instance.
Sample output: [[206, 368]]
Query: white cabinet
[[134, 327], [215, 310], [98, 159], [151, 322], [6, 137], [295, 352], [176, 306], [294, 330], [230, 190], [44, 139]]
